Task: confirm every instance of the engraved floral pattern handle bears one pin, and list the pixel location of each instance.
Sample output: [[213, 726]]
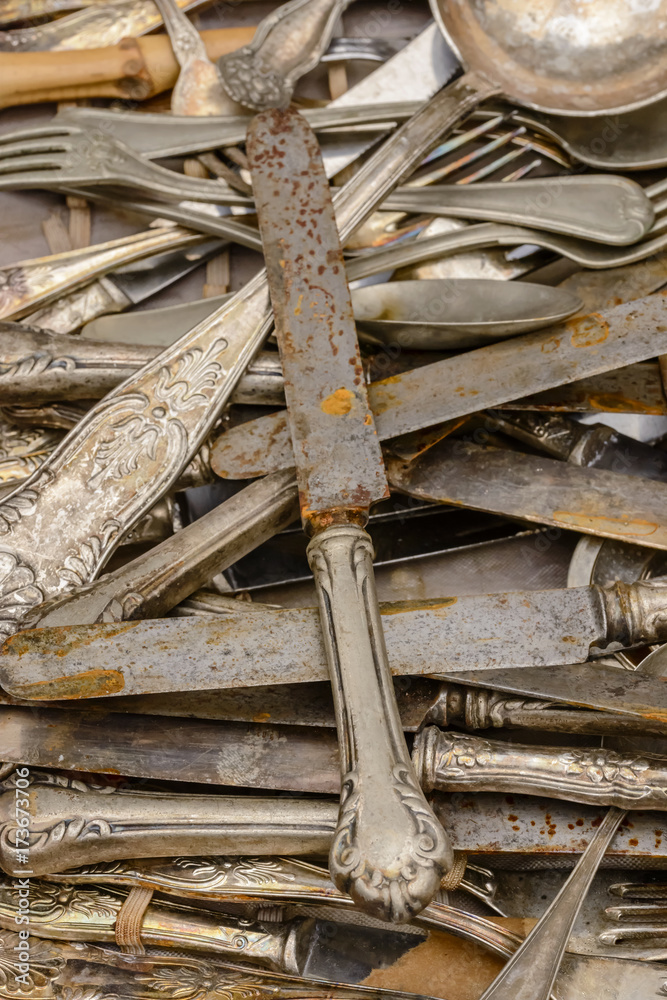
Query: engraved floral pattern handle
[[389, 851], [288, 44], [456, 762]]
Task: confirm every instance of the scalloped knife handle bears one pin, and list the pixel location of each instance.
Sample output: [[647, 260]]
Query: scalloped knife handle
[[289, 43], [389, 851]]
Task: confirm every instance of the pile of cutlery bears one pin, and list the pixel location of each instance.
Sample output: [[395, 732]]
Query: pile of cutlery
[[333, 601]]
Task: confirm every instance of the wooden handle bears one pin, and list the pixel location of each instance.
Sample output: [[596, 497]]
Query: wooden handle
[[134, 69]]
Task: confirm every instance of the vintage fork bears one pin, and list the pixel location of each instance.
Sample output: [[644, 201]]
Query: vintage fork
[[61, 154]]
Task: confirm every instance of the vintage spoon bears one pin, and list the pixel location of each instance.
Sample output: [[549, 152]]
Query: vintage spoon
[[456, 313]]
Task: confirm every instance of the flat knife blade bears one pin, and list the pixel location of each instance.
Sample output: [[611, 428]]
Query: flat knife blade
[[389, 851], [487, 378], [489, 632]]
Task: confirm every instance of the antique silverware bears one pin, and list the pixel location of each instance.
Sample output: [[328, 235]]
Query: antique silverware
[[92, 27], [456, 313], [198, 91], [591, 445], [264, 756], [29, 283], [420, 701], [597, 207], [119, 290], [441, 636], [111, 477], [532, 970], [63, 155], [301, 946], [440, 315], [75, 822], [488, 377], [288, 43], [23, 449], [67, 969], [389, 852], [37, 366]]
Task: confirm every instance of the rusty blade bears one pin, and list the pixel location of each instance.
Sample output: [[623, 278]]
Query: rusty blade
[[337, 452], [489, 378]]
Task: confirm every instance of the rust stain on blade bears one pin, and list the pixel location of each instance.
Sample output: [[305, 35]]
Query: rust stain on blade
[[607, 525], [336, 447], [90, 684]]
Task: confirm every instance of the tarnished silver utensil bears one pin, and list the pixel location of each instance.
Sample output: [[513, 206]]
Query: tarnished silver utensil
[[389, 852]]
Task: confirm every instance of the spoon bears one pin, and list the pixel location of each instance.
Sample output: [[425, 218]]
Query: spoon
[[455, 314], [555, 56]]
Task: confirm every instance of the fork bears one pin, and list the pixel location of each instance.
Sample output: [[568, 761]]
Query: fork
[[59, 155]]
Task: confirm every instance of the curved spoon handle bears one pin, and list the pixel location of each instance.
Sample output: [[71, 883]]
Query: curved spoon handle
[[389, 850], [604, 209], [288, 43], [184, 37], [531, 971]]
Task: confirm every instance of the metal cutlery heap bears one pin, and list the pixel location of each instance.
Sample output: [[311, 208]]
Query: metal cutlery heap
[[245, 759]]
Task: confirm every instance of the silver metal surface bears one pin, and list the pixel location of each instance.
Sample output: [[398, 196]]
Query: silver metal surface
[[599, 207], [100, 482], [93, 27], [389, 852], [488, 377], [601, 56], [30, 283], [62, 155], [445, 636], [287, 44], [456, 313]]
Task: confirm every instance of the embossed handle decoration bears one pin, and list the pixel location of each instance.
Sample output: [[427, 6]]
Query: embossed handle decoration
[[383, 813], [288, 43], [455, 762]]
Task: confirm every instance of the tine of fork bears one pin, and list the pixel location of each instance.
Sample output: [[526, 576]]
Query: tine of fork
[[653, 190], [22, 170], [522, 171], [639, 890], [635, 911], [462, 138], [21, 135], [491, 168], [16, 149], [440, 172]]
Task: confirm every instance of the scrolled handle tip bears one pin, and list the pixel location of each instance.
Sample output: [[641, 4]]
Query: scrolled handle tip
[[391, 864]]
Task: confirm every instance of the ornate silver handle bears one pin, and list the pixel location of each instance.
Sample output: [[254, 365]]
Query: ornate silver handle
[[288, 43], [73, 822], [455, 762], [91, 914], [383, 813]]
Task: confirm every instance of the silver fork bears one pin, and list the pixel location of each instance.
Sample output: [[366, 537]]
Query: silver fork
[[61, 155]]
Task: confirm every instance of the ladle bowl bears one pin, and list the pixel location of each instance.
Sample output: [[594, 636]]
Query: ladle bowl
[[570, 57]]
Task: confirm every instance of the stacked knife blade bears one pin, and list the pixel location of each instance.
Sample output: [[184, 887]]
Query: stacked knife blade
[[333, 608]]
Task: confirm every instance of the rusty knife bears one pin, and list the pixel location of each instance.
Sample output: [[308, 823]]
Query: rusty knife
[[389, 851]]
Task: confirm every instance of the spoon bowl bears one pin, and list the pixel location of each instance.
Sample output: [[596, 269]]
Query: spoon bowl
[[456, 314], [574, 57]]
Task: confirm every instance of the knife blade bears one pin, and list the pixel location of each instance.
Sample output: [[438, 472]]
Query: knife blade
[[486, 378], [389, 851], [488, 632], [268, 757]]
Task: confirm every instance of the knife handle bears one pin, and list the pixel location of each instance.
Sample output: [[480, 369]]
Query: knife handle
[[455, 762], [389, 850]]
